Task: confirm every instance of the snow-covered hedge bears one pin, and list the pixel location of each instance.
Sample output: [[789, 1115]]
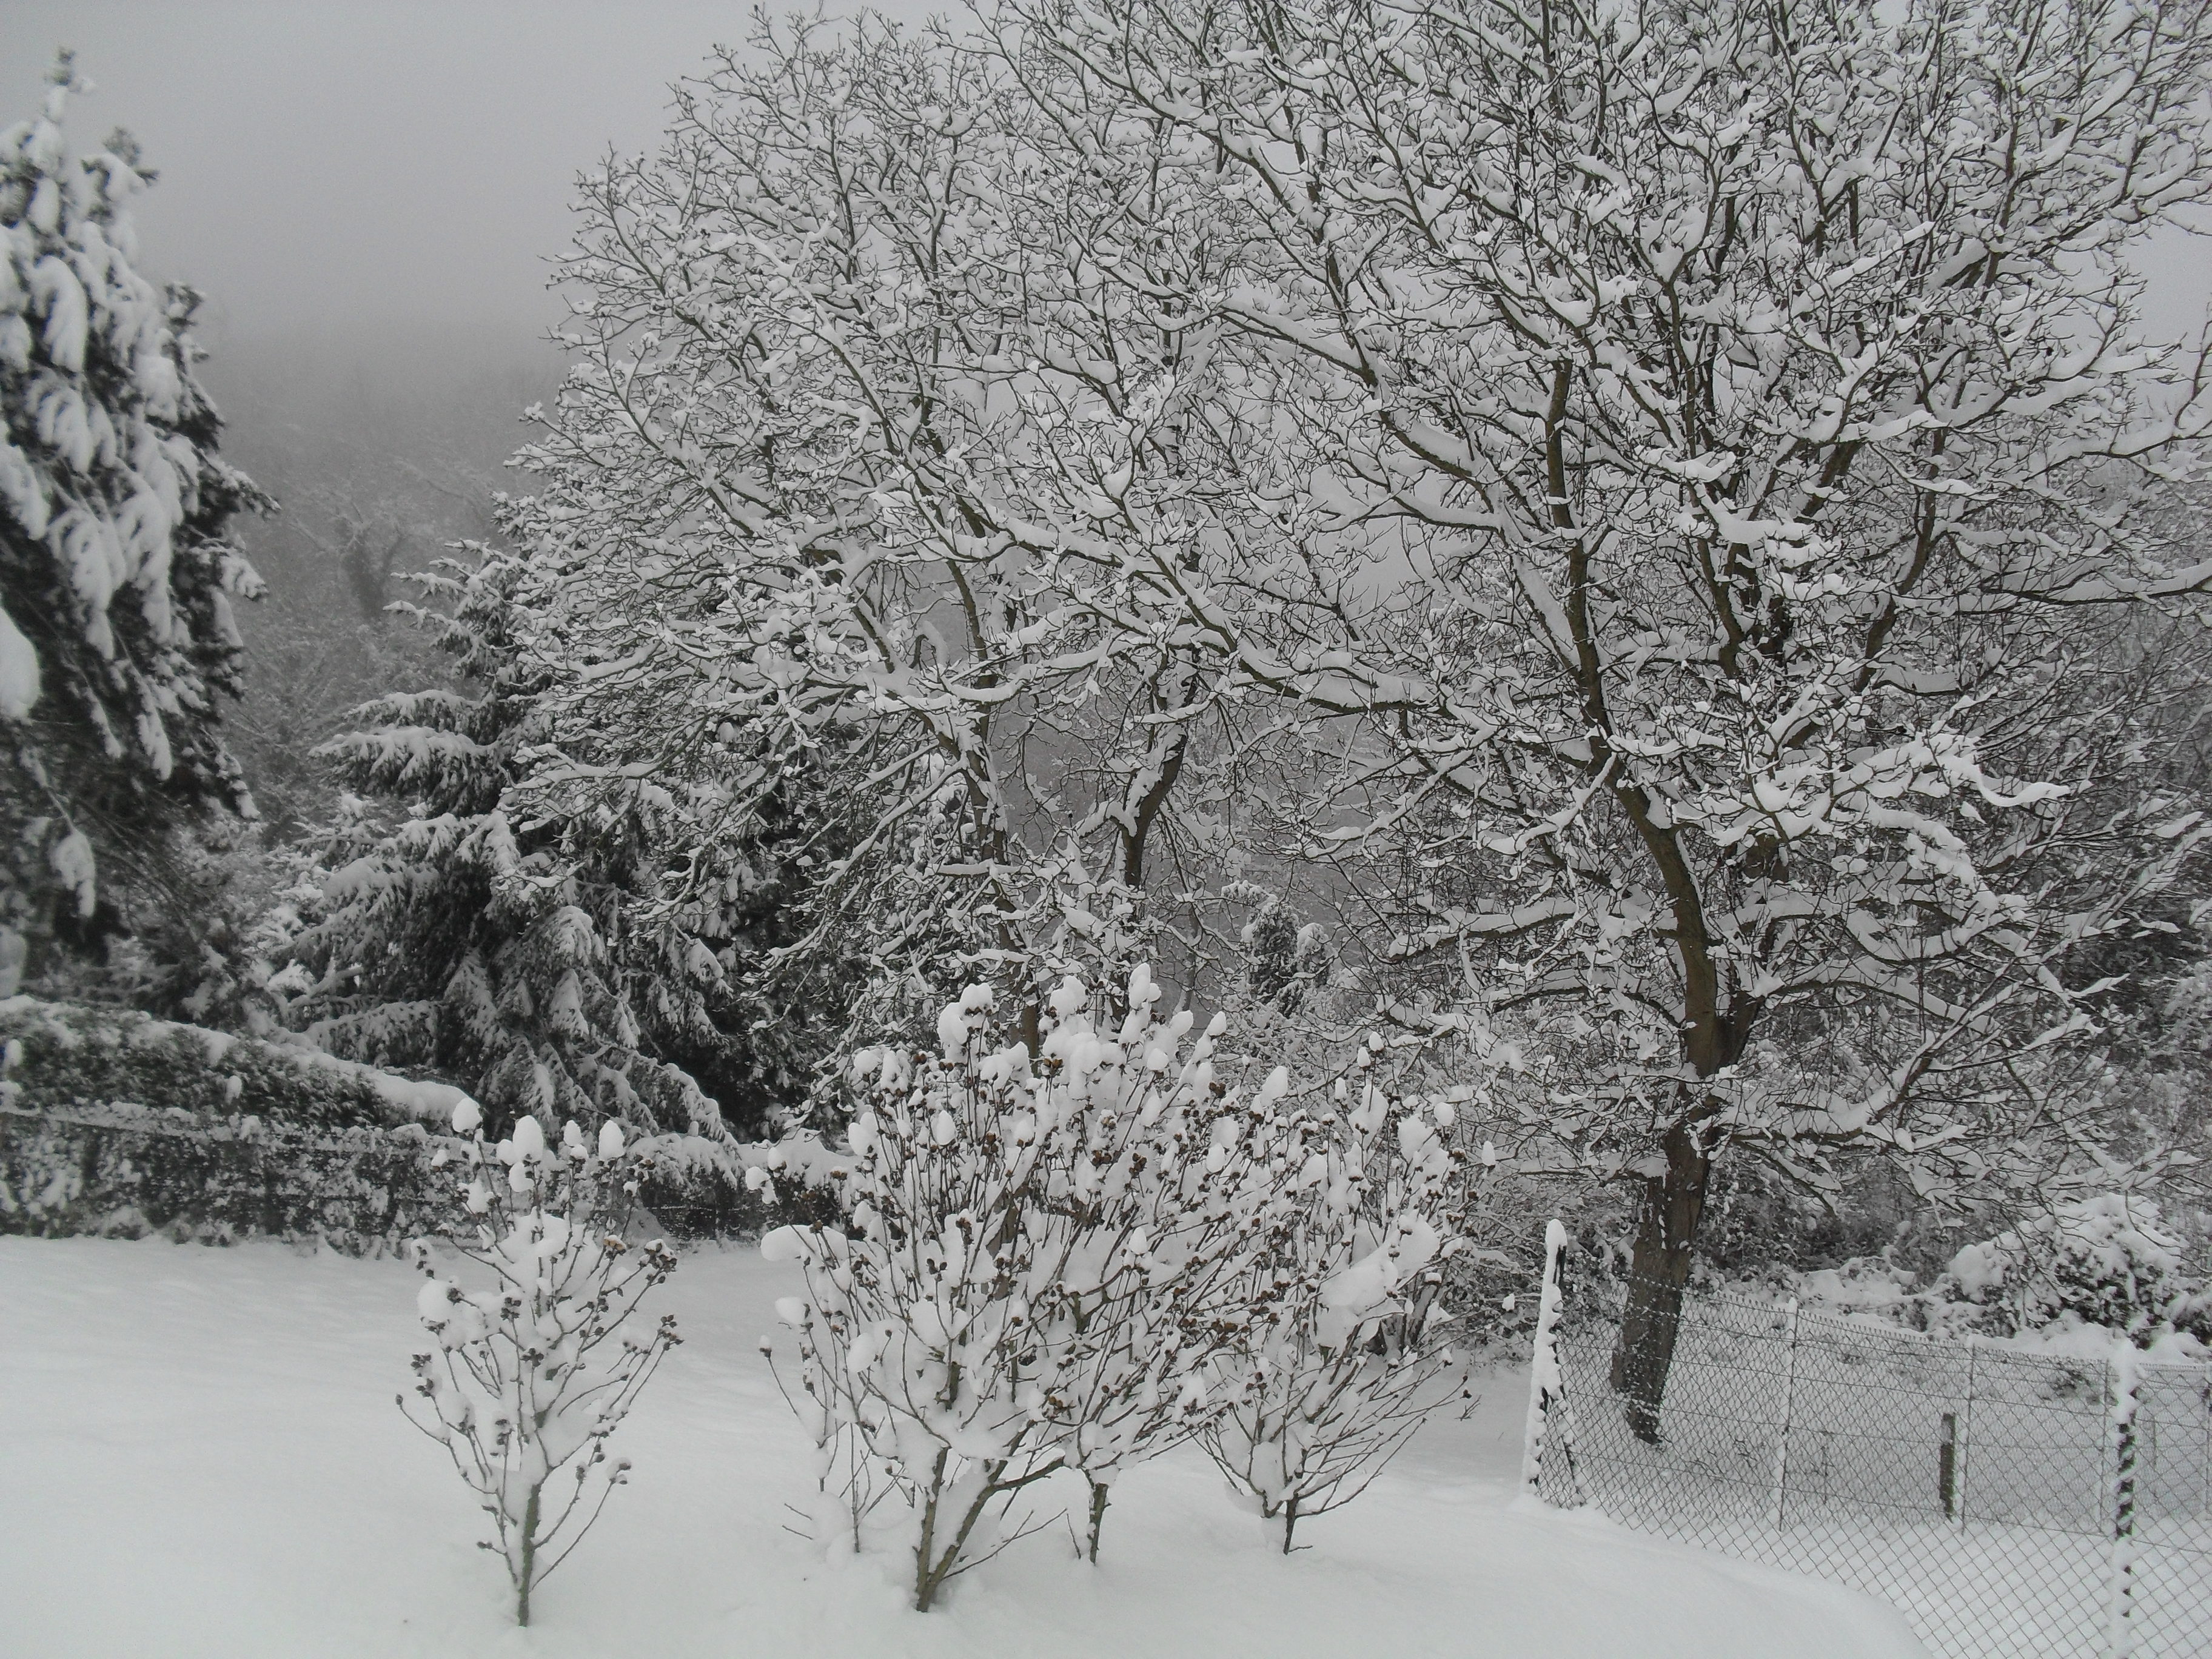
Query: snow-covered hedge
[[114, 1122], [127, 1172], [72, 1056]]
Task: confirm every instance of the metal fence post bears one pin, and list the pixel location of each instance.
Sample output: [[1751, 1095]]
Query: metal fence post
[[1947, 1463], [1544, 1389], [2204, 1476], [1964, 1453], [2119, 1629], [1788, 1405]]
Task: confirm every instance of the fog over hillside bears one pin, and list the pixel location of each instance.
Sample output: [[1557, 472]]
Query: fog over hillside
[[367, 197]]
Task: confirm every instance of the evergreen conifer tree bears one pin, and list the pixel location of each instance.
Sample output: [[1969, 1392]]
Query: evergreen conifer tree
[[117, 567], [474, 927]]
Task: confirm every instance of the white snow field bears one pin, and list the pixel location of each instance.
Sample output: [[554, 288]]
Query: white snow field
[[199, 1455]]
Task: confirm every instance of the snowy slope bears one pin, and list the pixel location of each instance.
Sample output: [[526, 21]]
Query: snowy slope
[[201, 1455]]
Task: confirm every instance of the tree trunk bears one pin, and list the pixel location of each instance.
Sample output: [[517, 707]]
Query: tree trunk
[[528, 1570], [1658, 1268], [935, 1563], [1098, 1496]]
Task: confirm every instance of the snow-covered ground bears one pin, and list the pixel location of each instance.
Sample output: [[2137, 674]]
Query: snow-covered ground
[[200, 1456]]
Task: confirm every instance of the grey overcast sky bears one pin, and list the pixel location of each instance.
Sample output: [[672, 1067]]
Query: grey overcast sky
[[355, 164], [346, 166]]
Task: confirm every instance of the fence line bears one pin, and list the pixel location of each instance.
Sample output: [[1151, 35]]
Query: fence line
[[2010, 1501]]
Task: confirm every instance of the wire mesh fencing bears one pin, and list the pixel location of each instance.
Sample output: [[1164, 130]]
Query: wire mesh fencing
[[2007, 1503]]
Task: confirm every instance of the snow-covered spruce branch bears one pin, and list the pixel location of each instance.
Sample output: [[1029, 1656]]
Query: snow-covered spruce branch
[[527, 950], [531, 1377], [118, 640]]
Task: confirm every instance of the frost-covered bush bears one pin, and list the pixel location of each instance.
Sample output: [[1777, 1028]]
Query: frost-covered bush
[[1042, 1262], [1349, 1357], [2109, 1266], [531, 1376], [2108, 1262], [1875, 1288], [1078, 1260]]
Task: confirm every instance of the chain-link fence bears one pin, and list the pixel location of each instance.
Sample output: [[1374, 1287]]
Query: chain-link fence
[[2007, 1503]]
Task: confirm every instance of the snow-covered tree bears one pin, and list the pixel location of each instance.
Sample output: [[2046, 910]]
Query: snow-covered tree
[[533, 1372], [842, 472], [1623, 479], [524, 951], [117, 569], [1664, 536], [1745, 402]]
